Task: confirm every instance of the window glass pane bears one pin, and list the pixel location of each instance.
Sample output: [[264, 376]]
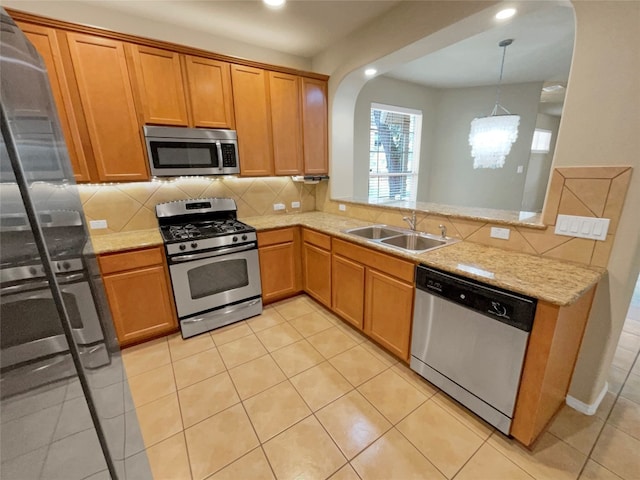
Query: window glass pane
[[393, 154], [217, 277]]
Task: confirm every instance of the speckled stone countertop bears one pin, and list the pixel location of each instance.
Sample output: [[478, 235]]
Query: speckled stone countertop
[[116, 242], [554, 281]]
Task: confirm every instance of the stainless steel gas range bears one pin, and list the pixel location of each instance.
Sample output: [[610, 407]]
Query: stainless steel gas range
[[213, 263]]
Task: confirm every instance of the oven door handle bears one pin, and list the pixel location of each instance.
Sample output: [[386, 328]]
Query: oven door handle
[[224, 312], [216, 253], [43, 284]]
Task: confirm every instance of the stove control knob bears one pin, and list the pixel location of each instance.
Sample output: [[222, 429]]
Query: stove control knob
[[194, 245], [235, 239], [66, 265], [183, 246], [244, 237], [32, 270]]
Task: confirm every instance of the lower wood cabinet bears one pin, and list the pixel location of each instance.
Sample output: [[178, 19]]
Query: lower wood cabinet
[[139, 294], [279, 252], [316, 265], [389, 311], [374, 292]]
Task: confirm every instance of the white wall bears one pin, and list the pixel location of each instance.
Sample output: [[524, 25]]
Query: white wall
[[453, 179]]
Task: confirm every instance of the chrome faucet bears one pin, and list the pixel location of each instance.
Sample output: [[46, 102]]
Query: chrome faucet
[[411, 221], [443, 231]]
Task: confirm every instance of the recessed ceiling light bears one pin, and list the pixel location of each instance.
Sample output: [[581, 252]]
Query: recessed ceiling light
[[506, 13], [370, 72], [274, 3]]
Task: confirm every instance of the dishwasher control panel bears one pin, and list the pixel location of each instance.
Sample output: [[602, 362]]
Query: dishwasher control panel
[[507, 307]]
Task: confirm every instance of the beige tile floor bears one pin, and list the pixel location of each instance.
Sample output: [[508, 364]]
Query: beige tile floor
[[295, 393]]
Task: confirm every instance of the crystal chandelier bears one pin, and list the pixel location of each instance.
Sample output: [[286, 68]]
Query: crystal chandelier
[[491, 137]]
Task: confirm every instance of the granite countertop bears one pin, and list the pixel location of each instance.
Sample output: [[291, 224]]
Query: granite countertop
[[554, 281]]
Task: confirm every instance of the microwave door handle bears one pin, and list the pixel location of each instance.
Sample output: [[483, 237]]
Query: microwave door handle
[[217, 253], [220, 162]]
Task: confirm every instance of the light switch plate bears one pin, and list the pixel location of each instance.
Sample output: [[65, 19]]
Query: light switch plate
[[98, 224], [342, 207], [582, 227], [295, 204], [502, 233], [279, 206]]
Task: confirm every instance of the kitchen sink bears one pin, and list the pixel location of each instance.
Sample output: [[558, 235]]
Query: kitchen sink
[[414, 242], [401, 238], [375, 232]]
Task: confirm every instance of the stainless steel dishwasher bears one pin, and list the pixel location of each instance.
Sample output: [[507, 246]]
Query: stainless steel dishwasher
[[469, 339]]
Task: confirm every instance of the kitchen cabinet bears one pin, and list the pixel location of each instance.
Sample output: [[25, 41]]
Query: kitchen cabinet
[[182, 90], [374, 292], [284, 91], [45, 41], [347, 296], [99, 68], [210, 94], [251, 107], [139, 294], [314, 126], [279, 252], [158, 83], [316, 265]]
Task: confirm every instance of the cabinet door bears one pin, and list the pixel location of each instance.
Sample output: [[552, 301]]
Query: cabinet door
[[388, 312], [317, 273], [284, 92], [253, 125], [45, 41], [347, 281], [210, 92], [158, 81], [278, 271], [140, 303], [314, 126], [100, 69]]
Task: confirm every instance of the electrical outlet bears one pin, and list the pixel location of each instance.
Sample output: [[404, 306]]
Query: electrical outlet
[[520, 169], [295, 204], [279, 206], [98, 224], [582, 227], [502, 233], [342, 207]]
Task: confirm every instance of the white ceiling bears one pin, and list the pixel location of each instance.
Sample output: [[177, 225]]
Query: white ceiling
[[302, 27]]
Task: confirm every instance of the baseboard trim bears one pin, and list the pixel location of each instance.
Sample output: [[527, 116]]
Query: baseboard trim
[[587, 409]]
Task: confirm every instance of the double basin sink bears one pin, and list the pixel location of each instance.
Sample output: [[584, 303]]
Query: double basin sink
[[400, 238]]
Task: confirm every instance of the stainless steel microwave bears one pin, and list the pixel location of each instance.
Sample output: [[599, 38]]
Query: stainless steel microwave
[[179, 151]]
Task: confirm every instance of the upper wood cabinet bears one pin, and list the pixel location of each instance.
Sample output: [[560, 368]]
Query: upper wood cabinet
[[210, 93], [102, 76], [158, 77], [183, 90], [250, 101], [284, 92], [314, 126], [46, 43]]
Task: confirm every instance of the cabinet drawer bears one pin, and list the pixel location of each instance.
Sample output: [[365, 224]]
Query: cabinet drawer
[[273, 237], [385, 263], [119, 262], [318, 239]]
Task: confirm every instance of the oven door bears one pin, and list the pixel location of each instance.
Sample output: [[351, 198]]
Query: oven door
[[42, 335], [206, 281]]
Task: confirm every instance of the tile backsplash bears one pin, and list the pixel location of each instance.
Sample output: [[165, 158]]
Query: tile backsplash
[[131, 206]]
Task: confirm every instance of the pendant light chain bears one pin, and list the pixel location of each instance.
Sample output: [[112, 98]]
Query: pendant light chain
[[504, 44]]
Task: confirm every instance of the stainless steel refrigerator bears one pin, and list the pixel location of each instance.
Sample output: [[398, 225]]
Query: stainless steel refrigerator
[[65, 407]]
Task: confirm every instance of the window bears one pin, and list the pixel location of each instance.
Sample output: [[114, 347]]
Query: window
[[541, 141], [394, 153]]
